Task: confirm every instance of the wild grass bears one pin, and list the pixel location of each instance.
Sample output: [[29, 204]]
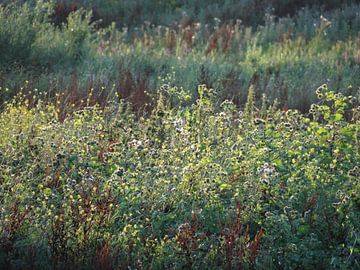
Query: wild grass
[[113, 157], [285, 58]]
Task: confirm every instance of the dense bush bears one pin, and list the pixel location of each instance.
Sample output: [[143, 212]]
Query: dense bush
[[201, 186], [27, 38]]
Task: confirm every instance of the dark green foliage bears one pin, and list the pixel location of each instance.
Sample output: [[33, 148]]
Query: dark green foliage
[[27, 38], [165, 12]]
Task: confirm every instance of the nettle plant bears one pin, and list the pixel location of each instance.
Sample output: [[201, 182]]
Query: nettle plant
[[183, 186]]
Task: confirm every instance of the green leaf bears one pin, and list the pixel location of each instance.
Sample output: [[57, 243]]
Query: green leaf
[[225, 186], [47, 191], [322, 131], [303, 229], [338, 117]]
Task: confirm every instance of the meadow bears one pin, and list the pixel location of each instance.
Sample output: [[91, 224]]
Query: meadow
[[180, 134]]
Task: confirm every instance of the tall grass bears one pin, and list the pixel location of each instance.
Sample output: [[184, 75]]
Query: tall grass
[[284, 58]]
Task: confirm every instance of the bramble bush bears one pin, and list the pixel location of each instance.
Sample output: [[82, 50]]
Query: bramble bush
[[197, 186]]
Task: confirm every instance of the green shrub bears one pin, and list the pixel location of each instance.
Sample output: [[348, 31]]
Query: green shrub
[[68, 45], [18, 28], [29, 39]]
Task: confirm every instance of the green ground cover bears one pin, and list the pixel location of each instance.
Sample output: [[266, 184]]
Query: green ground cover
[[179, 134]]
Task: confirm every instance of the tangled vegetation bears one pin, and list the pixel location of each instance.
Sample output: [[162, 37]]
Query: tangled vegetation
[[153, 134], [200, 186], [283, 57]]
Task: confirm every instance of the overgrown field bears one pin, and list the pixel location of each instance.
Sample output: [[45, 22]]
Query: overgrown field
[[205, 186], [283, 57], [180, 134]]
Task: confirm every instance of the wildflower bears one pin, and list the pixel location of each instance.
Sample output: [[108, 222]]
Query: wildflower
[[179, 122], [337, 204], [135, 144], [184, 227], [179, 130], [269, 171], [265, 181], [292, 247]]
